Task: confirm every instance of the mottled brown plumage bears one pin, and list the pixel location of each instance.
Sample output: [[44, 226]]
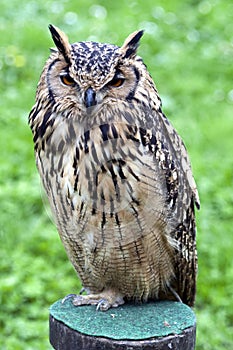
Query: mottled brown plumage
[[116, 173]]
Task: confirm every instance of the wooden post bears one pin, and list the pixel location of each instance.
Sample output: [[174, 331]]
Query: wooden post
[[159, 325]]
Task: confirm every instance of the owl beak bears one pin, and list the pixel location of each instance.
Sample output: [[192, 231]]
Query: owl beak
[[90, 97]]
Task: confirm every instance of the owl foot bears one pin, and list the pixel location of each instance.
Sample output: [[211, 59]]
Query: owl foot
[[103, 301]]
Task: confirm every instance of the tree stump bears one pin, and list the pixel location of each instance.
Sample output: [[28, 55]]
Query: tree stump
[[156, 325]]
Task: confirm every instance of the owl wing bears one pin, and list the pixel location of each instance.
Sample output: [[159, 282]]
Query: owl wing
[[182, 196]]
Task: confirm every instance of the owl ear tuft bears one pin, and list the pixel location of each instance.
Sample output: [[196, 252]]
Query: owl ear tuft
[[61, 41], [129, 48]]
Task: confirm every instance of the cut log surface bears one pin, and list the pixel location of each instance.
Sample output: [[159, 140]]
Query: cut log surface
[[156, 325]]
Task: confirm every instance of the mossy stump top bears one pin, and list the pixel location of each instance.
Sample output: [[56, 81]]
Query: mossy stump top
[[156, 325]]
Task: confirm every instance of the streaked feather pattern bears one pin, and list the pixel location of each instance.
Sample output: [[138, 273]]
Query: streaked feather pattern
[[116, 173]]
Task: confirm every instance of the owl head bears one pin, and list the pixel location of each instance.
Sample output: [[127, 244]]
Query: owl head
[[89, 73]]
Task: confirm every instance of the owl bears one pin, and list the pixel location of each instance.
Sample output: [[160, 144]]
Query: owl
[[116, 174]]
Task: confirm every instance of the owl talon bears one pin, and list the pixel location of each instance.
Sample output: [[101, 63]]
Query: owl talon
[[83, 290], [67, 297], [103, 305]]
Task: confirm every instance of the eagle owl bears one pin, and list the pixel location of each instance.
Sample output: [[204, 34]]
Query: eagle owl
[[116, 174]]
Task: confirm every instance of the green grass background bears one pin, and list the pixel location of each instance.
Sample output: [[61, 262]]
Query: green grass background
[[188, 48]]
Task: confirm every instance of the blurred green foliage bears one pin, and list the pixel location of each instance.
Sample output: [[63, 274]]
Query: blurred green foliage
[[188, 48]]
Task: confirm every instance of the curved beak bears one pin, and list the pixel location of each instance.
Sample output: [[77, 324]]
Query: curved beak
[[90, 97]]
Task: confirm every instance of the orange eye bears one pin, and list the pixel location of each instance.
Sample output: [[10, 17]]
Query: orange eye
[[116, 82], [66, 79]]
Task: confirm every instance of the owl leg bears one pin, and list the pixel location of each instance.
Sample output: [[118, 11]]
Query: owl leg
[[104, 300]]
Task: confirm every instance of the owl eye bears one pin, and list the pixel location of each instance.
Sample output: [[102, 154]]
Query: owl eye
[[117, 81], [66, 79]]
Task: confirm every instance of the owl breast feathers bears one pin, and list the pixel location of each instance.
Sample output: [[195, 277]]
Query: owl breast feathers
[[116, 174]]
